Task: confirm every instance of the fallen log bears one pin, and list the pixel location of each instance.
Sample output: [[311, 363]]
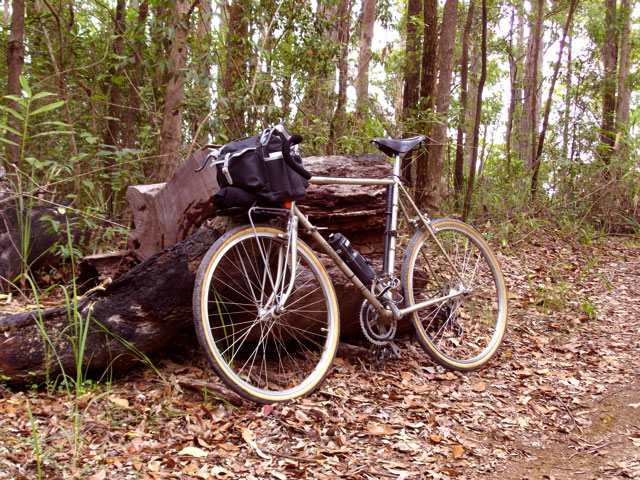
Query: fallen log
[[167, 213], [142, 311]]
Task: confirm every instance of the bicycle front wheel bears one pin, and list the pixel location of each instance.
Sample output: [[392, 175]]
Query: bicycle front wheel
[[264, 344], [463, 332]]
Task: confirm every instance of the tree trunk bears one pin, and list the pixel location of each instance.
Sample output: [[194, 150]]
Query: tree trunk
[[566, 120], [609, 60], [136, 76], [530, 111], [232, 106], [337, 121], [171, 134], [430, 198], [114, 124], [624, 91], [15, 61], [458, 178], [412, 59], [364, 57], [515, 100], [476, 124], [147, 307], [418, 168], [547, 109], [429, 69]]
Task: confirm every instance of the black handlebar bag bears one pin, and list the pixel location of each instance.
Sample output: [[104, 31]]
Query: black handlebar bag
[[260, 169]]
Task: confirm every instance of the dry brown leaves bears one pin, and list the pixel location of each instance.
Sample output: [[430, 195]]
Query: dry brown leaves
[[561, 401]]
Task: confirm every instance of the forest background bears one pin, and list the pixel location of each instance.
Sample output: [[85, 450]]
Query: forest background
[[531, 107]]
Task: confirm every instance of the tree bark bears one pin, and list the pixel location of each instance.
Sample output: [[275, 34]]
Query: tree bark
[[339, 114], [430, 197], [458, 178], [624, 91], [609, 60], [364, 56], [476, 124], [171, 134], [429, 68], [418, 166], [412, 59], [566, 120], [232, 105], [15, 61], [530, 111]]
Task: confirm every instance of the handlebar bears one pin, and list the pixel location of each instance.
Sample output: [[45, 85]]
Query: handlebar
[[287, 143]]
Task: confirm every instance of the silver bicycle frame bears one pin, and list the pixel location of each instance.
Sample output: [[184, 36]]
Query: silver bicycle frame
[[390, 312]]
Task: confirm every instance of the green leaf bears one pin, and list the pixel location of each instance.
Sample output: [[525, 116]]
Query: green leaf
[[46, 108], [55, 132], [12, 112], [4, 140], [25, 86], [40, 95], [58, 124], [12, 130]]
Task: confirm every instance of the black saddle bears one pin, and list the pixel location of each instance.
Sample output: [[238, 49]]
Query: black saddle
[[391, 147]]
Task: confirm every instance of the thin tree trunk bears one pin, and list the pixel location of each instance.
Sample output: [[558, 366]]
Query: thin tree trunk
[[337, 121], [412, 59], [6, 13], [624, 91], [458, 178], [114, 123], [609, 60], [429, 68], [530, 110], [547, 108], [171, 133], [567, 104], [235, 69], [417, 167], [15, 61], [476, 126], [430, 198], [515, 92], [364, 57], [136, 75]]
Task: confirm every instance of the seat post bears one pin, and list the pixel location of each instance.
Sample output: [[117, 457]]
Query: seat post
[[391, 227]]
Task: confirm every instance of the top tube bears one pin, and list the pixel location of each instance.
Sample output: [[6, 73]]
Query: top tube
[[351, 181]]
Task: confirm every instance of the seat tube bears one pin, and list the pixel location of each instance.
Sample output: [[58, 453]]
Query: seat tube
[[391, 224]]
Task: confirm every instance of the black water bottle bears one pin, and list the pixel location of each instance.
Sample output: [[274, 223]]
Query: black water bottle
[[356, 262]]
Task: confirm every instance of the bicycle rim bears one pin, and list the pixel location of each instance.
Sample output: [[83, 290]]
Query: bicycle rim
[[265, 350], [462, 333]]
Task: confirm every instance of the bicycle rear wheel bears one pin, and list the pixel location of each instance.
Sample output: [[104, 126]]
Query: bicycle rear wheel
[[464, 332], [265, 350]]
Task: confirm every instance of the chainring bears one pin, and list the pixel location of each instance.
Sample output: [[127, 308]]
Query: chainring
[[374, 330]]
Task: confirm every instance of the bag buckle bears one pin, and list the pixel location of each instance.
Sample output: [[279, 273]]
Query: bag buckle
[[225, 168]]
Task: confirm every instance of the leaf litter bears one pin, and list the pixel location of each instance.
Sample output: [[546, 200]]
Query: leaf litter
[[559, 401]]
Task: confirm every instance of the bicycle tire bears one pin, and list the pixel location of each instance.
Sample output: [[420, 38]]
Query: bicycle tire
[[463, 333], [264, 355]]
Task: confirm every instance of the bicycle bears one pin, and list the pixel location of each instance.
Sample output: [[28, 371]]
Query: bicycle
[[265, 310]]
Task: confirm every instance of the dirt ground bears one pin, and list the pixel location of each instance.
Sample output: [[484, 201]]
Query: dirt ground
[[561, 400]]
